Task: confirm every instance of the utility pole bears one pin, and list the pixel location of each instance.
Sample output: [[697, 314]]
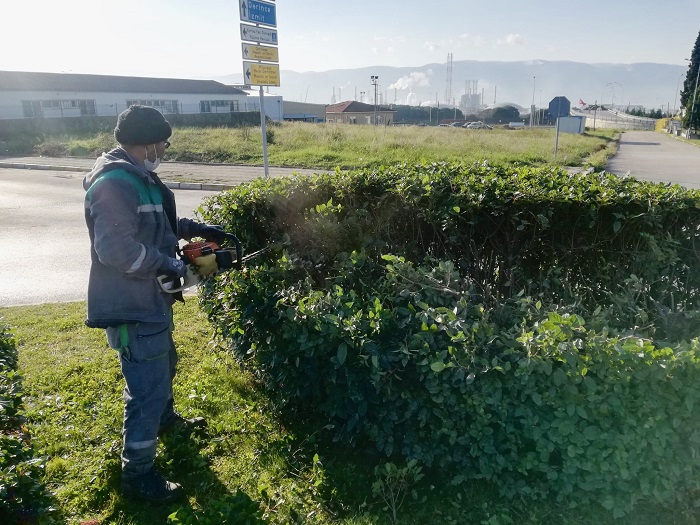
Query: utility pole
[[595, 112], [374, 79]]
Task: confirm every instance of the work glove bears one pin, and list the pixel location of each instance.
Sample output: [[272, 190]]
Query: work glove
[[212, 232], [175, 268], [215, 262]]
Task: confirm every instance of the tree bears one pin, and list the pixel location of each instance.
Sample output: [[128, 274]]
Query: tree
[[687, 94], [505, 114]]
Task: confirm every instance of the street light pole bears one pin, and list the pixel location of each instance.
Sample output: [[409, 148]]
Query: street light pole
[[532, 106], [430, 107], [678, 87], [374, 79], [612, 101], [623, 93]]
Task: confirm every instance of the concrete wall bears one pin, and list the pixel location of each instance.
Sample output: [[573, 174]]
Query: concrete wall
[[605, 119], [618, 124]]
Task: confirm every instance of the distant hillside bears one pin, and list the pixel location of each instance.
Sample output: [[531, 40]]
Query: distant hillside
[[649, 85]]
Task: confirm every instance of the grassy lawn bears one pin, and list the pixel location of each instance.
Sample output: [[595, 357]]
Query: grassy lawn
[[338, 145], [250, 457]]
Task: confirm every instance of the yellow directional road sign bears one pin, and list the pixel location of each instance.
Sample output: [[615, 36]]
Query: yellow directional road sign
[[256, 74], [253, 52]]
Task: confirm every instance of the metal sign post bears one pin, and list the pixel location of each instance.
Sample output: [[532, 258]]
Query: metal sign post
[[263, 127], [559, 107], [257, 69]]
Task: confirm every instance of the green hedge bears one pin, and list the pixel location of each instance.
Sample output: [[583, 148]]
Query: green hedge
[[23, 498], [499, 323], [582, 238]]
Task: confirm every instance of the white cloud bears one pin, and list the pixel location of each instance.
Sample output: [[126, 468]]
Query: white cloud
[[415, 79], [511, 40]]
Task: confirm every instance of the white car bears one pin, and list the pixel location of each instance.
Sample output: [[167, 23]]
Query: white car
[[478, 125]]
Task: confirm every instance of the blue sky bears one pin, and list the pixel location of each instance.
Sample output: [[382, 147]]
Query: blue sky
[[201, 39]]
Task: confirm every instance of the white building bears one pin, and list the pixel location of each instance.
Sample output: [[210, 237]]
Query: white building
[[46, 95]]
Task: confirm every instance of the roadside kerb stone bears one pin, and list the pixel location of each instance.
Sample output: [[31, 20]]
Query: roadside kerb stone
[[216, 187], [41, 167], [171, 185]]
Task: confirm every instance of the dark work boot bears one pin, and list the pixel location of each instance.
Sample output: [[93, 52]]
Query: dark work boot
[[180, 424], [151, 486]]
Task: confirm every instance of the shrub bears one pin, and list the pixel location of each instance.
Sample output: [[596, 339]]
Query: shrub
[[496, 322], [23, 499], [51, 148]]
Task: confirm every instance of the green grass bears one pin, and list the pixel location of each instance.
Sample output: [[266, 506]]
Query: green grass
[[346, 146], [250, 453]]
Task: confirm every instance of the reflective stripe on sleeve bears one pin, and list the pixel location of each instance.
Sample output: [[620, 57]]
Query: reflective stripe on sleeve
[[139, 260]]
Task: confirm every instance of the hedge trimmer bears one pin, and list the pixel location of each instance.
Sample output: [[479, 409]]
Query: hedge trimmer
[[218, 258]]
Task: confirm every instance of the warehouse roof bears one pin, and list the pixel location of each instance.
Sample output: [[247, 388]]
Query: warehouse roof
[[30, 81]]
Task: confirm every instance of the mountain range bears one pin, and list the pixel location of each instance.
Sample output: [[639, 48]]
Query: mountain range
[[653, 86]]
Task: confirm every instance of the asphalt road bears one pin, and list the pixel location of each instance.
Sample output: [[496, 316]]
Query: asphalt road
[[43, 237], [657, 157]]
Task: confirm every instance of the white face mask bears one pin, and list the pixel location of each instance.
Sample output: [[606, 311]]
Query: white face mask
[[151, 165]]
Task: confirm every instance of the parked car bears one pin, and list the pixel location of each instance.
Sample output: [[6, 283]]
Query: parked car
[[478, 125]]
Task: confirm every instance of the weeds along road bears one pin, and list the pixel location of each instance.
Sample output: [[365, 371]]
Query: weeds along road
[[657, 157], [46, 250]]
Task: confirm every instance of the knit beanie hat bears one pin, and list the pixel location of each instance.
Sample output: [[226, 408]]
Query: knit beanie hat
[[141, 125]]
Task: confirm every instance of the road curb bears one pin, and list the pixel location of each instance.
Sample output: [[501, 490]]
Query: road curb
[[41, 167], [171, 185]]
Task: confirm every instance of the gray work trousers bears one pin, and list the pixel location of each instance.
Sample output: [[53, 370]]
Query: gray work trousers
[[148, 358]]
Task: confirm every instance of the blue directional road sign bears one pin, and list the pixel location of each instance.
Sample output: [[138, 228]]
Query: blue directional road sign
[[258, 34], [559, 107], [258, 12]]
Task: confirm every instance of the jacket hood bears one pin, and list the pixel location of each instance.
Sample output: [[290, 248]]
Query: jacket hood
[[116, 159]]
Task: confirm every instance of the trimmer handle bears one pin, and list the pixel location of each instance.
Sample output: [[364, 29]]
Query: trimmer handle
[[239, 250]]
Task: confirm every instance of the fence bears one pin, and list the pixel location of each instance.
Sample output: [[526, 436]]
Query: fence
[[93, 124]]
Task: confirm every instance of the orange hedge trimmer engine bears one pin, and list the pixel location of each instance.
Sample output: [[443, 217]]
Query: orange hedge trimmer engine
[[192, 250]]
